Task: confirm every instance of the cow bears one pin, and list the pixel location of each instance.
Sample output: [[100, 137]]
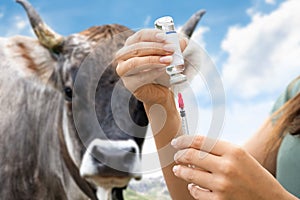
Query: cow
[[68, 128]]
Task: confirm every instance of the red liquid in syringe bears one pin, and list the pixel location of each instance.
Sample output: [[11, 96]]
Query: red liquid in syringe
[[184, 123]]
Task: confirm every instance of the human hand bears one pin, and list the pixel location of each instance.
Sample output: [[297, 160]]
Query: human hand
[[225, 172], [142, 62]]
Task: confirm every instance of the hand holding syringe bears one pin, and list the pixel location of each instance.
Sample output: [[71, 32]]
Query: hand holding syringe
[[184, 124]]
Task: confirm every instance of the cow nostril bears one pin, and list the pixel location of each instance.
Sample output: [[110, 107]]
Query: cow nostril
[[97, 155], [97, 160]]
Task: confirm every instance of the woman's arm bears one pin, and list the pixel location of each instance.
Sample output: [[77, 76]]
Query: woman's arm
[[262, 141], [141, 64], [165, 123], [257, 147]]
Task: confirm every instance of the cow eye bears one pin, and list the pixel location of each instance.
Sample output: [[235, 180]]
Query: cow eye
[[68, 93]]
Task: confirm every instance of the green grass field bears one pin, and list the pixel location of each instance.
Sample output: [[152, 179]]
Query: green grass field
[[152, 195]]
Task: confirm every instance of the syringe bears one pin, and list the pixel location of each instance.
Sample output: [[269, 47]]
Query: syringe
[[184, 124]]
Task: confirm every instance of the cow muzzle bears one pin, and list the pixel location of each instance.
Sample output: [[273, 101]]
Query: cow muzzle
[[111, 164]]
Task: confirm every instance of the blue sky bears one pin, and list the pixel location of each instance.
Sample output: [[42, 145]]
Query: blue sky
[[255, 44], [68, 16]]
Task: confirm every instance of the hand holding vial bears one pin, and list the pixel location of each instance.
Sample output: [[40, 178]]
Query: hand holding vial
[[142, 62]]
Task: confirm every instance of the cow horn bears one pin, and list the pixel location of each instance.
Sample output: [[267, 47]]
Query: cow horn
[[45, 34], [189, 27]]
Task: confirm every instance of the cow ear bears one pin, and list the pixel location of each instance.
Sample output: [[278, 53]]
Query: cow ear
[[30, 58], [189, 27], [47, 37]]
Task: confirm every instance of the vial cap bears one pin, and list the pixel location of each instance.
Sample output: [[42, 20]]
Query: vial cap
[[165, 23]]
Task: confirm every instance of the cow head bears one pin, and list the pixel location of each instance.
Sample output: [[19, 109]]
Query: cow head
[[103, 125]]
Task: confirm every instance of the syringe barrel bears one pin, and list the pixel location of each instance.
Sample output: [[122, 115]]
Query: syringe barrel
[[184, 125]]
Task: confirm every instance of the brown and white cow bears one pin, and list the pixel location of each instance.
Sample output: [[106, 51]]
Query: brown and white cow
[[68, 128]]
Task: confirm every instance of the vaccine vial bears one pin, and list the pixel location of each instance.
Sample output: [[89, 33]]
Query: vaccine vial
[[176, 68]]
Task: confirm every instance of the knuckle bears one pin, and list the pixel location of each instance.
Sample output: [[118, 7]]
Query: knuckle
[[189, 176], [135, 52], [138, 35], [131, 64], [198, 141], [223, 185], [155, 59], [149, 59], [186, 157], [125, 67], [186, 174], [238, 152], [118, 69], [122, 68], [135, 38], [228, 167]]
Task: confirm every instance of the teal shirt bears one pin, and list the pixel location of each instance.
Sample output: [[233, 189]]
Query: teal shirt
[[288, 158]]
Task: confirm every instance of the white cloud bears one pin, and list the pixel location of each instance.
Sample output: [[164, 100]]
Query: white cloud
[[21, 24], [272, 2], [198, 35], [244, 119], [17, 26], [264, 55]]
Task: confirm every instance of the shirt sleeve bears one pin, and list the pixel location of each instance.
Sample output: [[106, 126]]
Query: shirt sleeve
[[292, 90]]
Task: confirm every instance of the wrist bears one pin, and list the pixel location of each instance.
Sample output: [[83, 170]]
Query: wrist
[[165, 122], [152, 94]]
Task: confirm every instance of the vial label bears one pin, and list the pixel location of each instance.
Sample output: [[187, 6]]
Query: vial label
[[172, 38]]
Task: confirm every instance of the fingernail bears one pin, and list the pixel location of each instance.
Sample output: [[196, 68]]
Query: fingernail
[[173, 142], [190, 186], [186, 40], [175, 168], [169, 47], [166, 59], [161, 36], [175, 156]]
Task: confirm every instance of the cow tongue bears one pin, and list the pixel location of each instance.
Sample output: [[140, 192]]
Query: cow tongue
[[104, 193]]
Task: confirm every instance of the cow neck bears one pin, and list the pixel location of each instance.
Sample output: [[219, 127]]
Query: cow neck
[[87, 189]]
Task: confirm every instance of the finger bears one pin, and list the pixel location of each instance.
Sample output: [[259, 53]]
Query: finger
[[192, 175], [146, 35], [198, 192], [205, 144], [195, 158], [137, 64], [183, 42], [143, 49], [132, 83]]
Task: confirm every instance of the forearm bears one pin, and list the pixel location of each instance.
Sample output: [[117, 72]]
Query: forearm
[[165, 123], [259, 144]]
